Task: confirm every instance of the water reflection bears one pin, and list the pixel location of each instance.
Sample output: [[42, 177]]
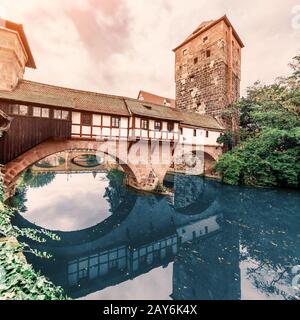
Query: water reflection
[[204, 241]]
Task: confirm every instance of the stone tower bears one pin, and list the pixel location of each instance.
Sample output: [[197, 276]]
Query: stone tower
[[15, 54], [208, 68]]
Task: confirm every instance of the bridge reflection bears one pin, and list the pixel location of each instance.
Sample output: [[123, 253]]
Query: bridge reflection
[[206, 235]]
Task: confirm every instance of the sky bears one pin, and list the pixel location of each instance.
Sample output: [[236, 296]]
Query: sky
[[122, 46]]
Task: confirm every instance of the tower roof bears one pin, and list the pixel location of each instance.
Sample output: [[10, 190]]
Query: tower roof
[[204, 26], [19, 29]]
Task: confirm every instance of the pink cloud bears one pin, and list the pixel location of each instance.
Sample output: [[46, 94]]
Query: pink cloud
[[103, 28]]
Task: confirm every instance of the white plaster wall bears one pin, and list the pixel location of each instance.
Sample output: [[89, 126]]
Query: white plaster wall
[[75, 129], [86, 130], [106, 121], [76, 117], [96, 131], [96, 119], [137, 122], [124, 122], [186, 232], [187, 136]]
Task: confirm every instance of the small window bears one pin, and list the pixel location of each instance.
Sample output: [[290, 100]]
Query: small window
[[15, 109], [65, 115], [196, 60], [206, 134], [181, 131], [157, 125], [57, 114], [19, 109], [23, 110], [86, 119], [36, 111], [45, 113], [144, 124], [115, 122], [195, 133], [184, 52], [170, 126], [207, 53], [205, 39]]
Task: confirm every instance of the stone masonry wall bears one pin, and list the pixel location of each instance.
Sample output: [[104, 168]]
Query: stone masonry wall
[[12, 59], [207, 71]]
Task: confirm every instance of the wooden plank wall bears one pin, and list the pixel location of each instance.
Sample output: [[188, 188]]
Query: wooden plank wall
[[26, 132]]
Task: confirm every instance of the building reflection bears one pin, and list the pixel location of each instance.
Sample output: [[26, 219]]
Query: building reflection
[[206, 236]]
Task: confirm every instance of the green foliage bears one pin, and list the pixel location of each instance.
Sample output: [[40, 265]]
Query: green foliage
[[269, 149], [226, 139], [18, 280], [37, 180], [270, 159]]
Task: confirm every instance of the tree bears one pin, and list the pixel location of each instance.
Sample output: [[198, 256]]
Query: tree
[[269, 149]]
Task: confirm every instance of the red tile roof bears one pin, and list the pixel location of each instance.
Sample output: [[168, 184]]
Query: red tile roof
[[19, 28], [150, 97], [54, 96], [204, 26]]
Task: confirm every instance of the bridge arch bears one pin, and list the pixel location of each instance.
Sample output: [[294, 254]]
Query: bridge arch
[[16, 167]]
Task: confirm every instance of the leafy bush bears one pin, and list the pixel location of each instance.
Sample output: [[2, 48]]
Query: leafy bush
[[18, 280], [269, 149]]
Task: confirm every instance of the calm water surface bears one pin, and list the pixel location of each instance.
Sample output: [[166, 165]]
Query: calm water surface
[[204, 241]]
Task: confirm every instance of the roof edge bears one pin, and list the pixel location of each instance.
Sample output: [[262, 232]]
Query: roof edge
[[225, 18]]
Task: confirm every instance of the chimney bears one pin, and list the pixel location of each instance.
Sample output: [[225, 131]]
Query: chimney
[[15, 54]]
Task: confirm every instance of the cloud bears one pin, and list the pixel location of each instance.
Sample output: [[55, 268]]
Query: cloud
[[102, 27], [121, 46]]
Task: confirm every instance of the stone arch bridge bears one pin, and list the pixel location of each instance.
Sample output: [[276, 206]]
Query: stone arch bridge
[[144, 162]]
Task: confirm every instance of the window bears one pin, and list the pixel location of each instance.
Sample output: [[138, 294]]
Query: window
[[61, 114], [184, 52], [115, 122], [195, 60], [195, 133], [20, 109], [57, 114], [207, 53], [144, 124], [40, 112], [181, 130], [36, 112], [45, 113], [86, 119], [205, 39], [170, 126], [206, 134], [23, 110], [65, 115], [157, 125]]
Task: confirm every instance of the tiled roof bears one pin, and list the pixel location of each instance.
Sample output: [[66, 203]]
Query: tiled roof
[[19, 28], [154, 98], [44, 94], [49, 95], [201, 120], [147, 109], [204, 26]]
